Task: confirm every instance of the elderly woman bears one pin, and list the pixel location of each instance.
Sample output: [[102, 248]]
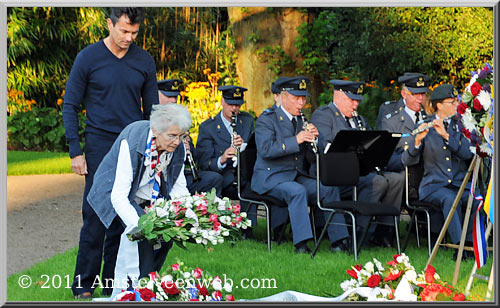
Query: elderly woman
[[444, 151], [145, 163]]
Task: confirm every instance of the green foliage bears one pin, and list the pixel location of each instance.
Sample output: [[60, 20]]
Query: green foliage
[[275, 56], [40, 129]]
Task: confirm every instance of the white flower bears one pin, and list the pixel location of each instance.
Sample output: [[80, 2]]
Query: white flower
[[204, 241], [411, 275], [167, 278], [211, 233], [217, 285], [485, 99], [187, 275], [198, 240], [204, 233], [243, 214], [160, 212], [214, 242], [194, 230], [225, 233], [228, 287], [150, 285], [369, 267], [468, 120], [221, 240], [486, 149]]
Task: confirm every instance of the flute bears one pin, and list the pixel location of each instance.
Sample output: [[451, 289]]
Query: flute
[[423, 128], [358, 119], [235, 157], [304, 126]]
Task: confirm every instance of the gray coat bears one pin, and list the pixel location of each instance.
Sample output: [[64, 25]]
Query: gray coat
[[136, 135]]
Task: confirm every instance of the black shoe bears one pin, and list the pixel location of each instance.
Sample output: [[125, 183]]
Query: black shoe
[[342, 245], [84, 295], [466, 255], [302, 247], [248, 234]]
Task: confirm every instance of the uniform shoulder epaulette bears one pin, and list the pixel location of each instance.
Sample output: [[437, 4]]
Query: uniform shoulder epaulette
[[268, 110], [391, 114], [389, 102]]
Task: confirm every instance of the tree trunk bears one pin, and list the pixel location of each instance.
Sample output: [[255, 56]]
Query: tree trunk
[[255, 28]]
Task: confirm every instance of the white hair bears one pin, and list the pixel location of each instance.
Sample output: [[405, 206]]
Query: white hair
[[165, 116]]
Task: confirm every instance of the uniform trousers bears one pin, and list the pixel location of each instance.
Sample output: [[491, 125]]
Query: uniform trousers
[[298, 194], [93, 235], [445, 197]]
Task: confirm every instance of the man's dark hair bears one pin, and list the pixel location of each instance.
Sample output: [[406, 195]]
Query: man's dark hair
[[134, 14]]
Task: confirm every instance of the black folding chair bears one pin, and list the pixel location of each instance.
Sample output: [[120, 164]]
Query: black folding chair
[[246, 162], [342, 169], [413, 178]]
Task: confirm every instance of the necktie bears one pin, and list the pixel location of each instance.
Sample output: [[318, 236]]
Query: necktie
[[349, 124], [445, 124], [294, 122], [417, 116]]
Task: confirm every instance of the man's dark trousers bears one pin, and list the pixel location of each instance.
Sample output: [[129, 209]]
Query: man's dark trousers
[[92, 234]]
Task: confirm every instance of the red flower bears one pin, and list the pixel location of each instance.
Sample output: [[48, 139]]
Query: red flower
[[216, 225], [179, 210], [352, 273], [373, 281], [146, 294], [238, 219], [392, 262], [197, 272], [194, 300], [462, 108], [217, 295], [203, 290], [359, 267], [475, 88], [230, 298], [477, 104], [236, 209], [430, 269], [213, 217], [432, 291], [178, 223], [170, 288], [202, 208], [392, 276], [459, 297], [175, 267], [130, 297], [429, 274], [153, 275], [395, 256]]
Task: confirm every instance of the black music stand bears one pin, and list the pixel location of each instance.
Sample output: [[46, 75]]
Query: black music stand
[[373, 147]]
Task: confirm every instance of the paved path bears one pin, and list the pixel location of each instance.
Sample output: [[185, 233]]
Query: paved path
[[43, 217]]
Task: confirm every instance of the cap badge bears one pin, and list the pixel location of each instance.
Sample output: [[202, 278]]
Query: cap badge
[[237, 92], [175, 86], [455, 92], [360, 89], [420, 82], [302, 85]]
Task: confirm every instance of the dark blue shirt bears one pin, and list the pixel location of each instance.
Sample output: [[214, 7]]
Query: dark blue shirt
[[110, 90]]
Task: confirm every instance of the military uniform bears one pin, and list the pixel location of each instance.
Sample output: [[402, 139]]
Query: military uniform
[[206, 179], [388, 107], [444, 171], [279, 169], [386, 188], [214, 138]]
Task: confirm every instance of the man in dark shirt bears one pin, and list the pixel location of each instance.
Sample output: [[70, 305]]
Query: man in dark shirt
[[115, 81]]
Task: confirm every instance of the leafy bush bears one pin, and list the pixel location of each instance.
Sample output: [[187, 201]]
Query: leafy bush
[[41, 129]]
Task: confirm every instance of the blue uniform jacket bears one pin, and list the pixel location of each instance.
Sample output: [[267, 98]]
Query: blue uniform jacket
[[389, 107], [444, 164], [279, 156], [214, 139]]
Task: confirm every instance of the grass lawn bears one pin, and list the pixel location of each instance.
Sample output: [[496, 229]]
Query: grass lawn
[[249, 259], [27, 163]]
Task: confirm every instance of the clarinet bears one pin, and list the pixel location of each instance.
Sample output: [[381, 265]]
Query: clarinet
[[428, 125], [233, 136], [304, 126], [358, 119], [196, 177], [423, 113]]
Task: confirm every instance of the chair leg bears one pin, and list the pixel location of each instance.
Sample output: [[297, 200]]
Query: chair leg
[[354, 242], [364, 234], [268, 228], [316, 243], [396, 228], [428, 232], [313, 224], [416, 231], [410, 227]]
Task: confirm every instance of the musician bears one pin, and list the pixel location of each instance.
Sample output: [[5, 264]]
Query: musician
[[387, 187], [279, 169], [414, 88], [217, 144], [444, 151], [168, 91], [144, 163]]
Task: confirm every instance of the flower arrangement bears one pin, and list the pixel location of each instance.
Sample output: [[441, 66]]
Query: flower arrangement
[[179, 283], [476, 111], [202, 218], [398, 280]]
